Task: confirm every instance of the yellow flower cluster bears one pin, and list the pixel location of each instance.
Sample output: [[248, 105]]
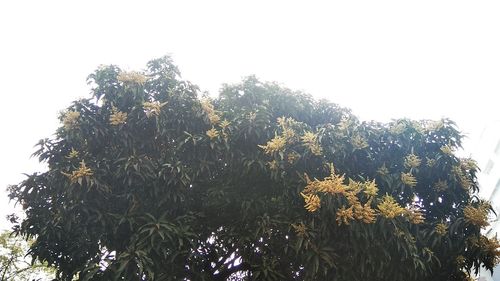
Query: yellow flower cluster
[[300, 229], [344, 216], [273, 165], [446, 149], [408, 179], [286, 125], [430, 162], [224, 128], [464, 181], [441, 185], [477, 215], [417, 126], [389, 208], [436, 125], [72, 154], [117, 117], [212, 133], [492, 247], [358, 142], [251, 116], [428, 251], [383, 171], [412, 161], [371, 189], [153, 108], [313, 202], [333, 184], [397, 128], [488, 246], [70, 119], [276, 144], [208, 108], [415, 215], [468, 164], [441, 229], [344, 123], [365, 213], [282, 121], [460, 260], [310, 140], [224, 124], [81, 172], [132, 77]]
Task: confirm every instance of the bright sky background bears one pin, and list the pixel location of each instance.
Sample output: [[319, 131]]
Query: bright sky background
[[383, 59]]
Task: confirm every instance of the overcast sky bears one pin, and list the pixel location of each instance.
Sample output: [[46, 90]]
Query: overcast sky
[[383, 59]]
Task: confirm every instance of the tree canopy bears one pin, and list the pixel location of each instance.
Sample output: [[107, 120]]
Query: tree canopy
[[149, 179]]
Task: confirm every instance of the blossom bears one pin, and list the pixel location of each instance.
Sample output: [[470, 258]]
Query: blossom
[[477, 215], [73, 154], [251, 116], [430, 162], [436, 125], [224, 128], [81, 172], [446, 149], [289, 135], [463, 179], [415, 215], [344, 123], [460, 260], [153, 108], [352, 199], [300, 229], [132, 77], [281, 121], [408, 179], [389, 208], [412, 161], [344, 216], [383, 171], [70, 119], [397, 128], [468, 164], [365, 213], [333, 184], [212, 133], [441, 229], [224, 124], [276, 144], [208, 108], [310, 140], [358, 142], [288, 132], [117, 117], [273, 165], [441, 185], [313, 202], [371, 188], [214, 118]]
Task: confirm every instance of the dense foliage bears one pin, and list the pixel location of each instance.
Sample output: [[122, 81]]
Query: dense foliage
[[150, 180]]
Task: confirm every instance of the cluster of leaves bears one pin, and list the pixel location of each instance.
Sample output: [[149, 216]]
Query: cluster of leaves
[[147, 180]]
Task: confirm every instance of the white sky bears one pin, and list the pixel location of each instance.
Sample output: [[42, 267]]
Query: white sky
[[383, 59]]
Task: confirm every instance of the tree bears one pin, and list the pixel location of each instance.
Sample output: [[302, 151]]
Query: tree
[[150, 180], [13, 262]]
